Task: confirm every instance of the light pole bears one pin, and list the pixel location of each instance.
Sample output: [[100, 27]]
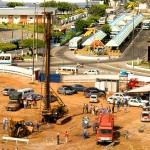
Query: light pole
[[36, 35], [12, 26], [33, 44], [133, 43]]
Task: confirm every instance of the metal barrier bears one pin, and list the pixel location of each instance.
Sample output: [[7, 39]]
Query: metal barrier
[[15, 139], [16, 70]]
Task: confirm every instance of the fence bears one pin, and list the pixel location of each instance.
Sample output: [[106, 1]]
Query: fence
[[16, 70]]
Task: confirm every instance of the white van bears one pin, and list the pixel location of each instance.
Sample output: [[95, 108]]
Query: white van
[[67, 70], [25, 92]]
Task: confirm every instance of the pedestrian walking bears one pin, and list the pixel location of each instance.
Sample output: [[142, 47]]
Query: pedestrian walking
[[83, 124], [58, 138], [125, 108], [66, 136], [113, 107], [25, 104], [83, 108], [84, 133], [37, 127], [91, 107], [4, 123], [86, 107], [94, 126]]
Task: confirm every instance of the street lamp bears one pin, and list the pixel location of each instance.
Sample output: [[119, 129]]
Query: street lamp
[[133, 43], [33, 44]]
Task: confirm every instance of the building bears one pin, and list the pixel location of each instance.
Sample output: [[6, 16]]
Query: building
[[25, 15]]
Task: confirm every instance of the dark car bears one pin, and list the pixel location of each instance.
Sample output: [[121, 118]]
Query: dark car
[[79, 87], [52, 98], [93, 92], [94, 88], [7, 91], [69, 87], [64, 90]]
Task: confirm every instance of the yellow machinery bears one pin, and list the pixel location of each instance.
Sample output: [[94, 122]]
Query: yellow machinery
[[17, 128]]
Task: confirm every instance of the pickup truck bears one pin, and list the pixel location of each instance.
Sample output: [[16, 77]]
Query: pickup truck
[[15, 101]]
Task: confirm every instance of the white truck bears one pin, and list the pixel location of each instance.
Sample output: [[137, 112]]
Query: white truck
[[75, 43], [102, 20], [146, 24]]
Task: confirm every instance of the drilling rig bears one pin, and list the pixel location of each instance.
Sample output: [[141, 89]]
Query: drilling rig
[[51, 113]]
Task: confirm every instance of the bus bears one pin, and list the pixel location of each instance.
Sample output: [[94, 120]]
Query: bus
[[5, 59], [75, 43], [67, 70], [146, 24]]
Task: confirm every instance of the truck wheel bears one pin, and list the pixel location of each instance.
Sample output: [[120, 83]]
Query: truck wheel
[[97, 143], [140, 106]]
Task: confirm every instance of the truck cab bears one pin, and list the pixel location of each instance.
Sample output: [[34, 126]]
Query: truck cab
[[15, 101], [105, 131]]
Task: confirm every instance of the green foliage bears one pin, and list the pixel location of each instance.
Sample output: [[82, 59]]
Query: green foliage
[[97, 10], [62, 6], [92, 19], [69, 35], [57, 34], [7, 46], [29, 43], [79, 11], [81, 24], [49, 4], [13, 4], [106, 28]]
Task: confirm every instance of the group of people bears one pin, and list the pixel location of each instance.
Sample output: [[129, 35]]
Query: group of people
[[29, 104], [66, 137], [95, 109]]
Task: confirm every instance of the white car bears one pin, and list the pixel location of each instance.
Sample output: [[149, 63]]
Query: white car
[[92, 72], [145, 116], [135, 102], [140, 99], [111, 100], [120, 96], [94, 99]]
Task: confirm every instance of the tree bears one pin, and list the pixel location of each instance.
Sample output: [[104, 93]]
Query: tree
[[14, 4], [7, 46], [97, 10], [49, 4], [63, 6], [106, 28], [81, 24], [29, 43]]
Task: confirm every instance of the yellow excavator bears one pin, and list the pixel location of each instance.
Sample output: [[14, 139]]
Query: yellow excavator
[[18, 128]]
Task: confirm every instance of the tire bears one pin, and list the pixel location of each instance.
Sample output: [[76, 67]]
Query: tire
[[97, 143], [20, 135], [140, 106]]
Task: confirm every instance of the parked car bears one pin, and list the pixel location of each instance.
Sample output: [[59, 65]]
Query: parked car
[[92, 72], [140, 99], [7, 91], [111, 100], [94, 99], [135, 102], [69, 87], [145, 116], [34, 96], [79, 87], [120, 96], [94, 88], [93, 92], [52, 98], [64, 90], [13, 105]]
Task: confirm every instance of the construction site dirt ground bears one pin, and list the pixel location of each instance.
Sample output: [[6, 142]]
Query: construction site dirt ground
[[45, 139]]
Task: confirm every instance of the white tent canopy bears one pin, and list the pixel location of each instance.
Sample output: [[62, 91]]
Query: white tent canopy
[[144, 89]]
